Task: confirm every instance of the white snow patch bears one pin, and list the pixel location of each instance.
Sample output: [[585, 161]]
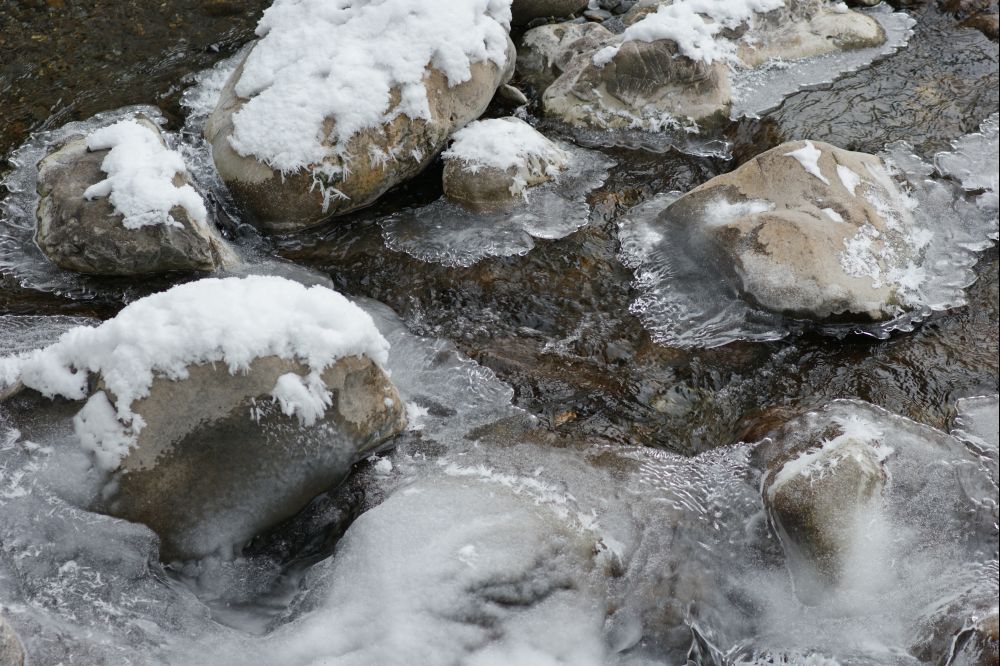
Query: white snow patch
[[141, 172], [340, 60], [305, 397], [722, 212], [808, 156], [694, 25], [503, 143], [232, 321], [832, 214], [100, 432]]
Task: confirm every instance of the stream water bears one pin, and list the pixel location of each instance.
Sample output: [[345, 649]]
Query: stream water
[[580, 483]]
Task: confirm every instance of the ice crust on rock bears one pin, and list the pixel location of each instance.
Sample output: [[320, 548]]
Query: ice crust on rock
[[141, 173], [231, 321], [341, 60], [808, 156]]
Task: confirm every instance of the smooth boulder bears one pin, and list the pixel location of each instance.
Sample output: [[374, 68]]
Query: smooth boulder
[[805, 229], [545, 51], [277, 202], [236, 464], [88, 236], [818, 500]]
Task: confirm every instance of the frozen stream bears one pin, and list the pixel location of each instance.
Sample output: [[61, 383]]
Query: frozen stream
[[595, 429]]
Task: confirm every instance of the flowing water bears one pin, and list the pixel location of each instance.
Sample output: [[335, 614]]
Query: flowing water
[[581, 481]]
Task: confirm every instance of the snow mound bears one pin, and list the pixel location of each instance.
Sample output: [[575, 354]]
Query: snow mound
[[232, 321], [342, 60], [141, 172]]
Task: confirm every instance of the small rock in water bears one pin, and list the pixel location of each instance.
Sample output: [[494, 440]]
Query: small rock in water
[[806, 229], [546, 50], [492, 163], [673, 63], [153, 226], [817, 500], [11, 652]]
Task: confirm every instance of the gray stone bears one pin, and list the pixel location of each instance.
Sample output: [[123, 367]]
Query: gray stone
[[287, 203], [487, 188], [523, 11], [87, 236], [235, 465]]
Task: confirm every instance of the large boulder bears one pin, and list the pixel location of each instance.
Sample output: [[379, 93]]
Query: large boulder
[[89, 235], [282, 191], [492, 163], [657, 75], [235, 463], [524, 11], [11, 652], [218, 408], [806, 229]]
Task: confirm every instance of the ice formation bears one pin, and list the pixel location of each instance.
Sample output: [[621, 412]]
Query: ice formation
[[447, 233], [318, 60], [141, 172], [808, 156]]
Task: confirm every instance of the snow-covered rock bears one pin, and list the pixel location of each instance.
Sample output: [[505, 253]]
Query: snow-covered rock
[[806, 229], [336, 104], [281, 389], [544, 51], [11, 652], [525, 10], [119, 202], [818, 498], [673, 64], [492, 163]]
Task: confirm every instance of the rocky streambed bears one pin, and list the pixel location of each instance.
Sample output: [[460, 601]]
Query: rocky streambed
[[706, 388]]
